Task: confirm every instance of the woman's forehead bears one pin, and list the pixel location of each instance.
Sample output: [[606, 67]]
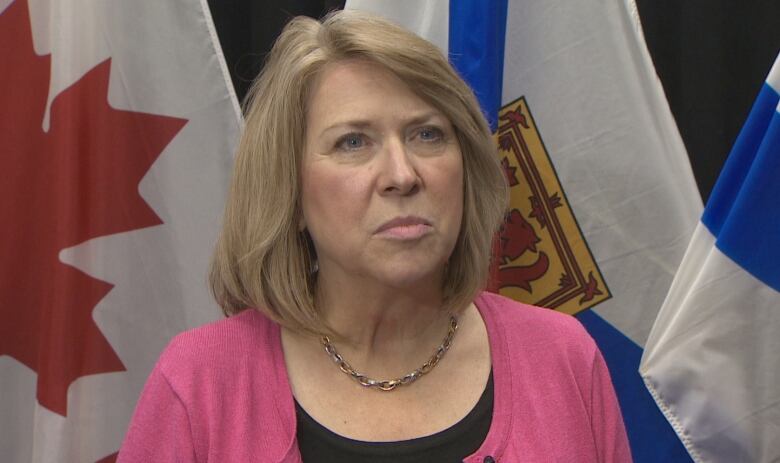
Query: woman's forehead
[[358, 92]]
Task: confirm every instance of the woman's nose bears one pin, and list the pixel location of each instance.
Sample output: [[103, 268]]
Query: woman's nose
[[398, 173]]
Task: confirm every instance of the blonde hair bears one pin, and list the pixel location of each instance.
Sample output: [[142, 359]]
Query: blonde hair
[[262, 259]]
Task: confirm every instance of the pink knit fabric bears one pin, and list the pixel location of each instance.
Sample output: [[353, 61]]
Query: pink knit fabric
[[220, 393]]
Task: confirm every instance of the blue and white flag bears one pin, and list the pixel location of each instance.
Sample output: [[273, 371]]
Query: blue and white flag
[[711, 360], [603, 200]]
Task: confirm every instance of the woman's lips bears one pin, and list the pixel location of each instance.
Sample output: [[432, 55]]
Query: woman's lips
[[404, 228]]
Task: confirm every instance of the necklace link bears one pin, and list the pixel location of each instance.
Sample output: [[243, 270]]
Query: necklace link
[[390, 384]]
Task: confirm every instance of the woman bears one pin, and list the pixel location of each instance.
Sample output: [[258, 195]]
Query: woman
[[356, 241]]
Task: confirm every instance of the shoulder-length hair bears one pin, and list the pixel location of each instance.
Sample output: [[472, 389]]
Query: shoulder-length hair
[[262, 260]]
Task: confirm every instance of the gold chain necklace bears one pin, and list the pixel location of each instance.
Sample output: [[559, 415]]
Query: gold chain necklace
[[390, 384]]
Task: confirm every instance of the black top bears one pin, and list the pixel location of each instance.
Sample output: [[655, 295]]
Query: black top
[[320, 444]]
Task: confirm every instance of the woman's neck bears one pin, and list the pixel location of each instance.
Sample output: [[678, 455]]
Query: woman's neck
[[381, 324]]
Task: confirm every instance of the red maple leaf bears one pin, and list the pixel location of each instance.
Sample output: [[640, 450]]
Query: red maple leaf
[[109, 458], [60, 188]]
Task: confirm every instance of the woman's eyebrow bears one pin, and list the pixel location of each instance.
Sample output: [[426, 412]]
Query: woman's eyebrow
[[423, 118], [348, 124], [366, 123]]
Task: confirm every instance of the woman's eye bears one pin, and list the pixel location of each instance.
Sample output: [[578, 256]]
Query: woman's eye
[[430, 134], [351, 141]]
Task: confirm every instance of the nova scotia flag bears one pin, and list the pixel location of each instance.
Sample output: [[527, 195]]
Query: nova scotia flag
[[603, 200], [711, 360]]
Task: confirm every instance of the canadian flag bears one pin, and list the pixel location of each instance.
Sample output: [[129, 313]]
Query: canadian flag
[[117, 126]]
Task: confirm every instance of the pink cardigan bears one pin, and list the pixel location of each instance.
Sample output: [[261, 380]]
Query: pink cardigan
[[220, 393]]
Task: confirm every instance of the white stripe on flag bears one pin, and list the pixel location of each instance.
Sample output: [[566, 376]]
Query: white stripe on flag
[[427, 18]]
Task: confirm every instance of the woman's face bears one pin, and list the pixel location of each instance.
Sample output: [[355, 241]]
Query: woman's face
[[382, 179]]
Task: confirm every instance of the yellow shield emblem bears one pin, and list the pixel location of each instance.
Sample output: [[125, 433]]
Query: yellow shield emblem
[[543, 258]]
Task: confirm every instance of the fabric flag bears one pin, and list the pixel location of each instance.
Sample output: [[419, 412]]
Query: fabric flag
[[117, 127], [711, 359], [603, 200]]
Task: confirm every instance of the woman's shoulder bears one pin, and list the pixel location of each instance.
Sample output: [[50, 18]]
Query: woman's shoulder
[[528, 324], [213, 383], [222, 344]]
